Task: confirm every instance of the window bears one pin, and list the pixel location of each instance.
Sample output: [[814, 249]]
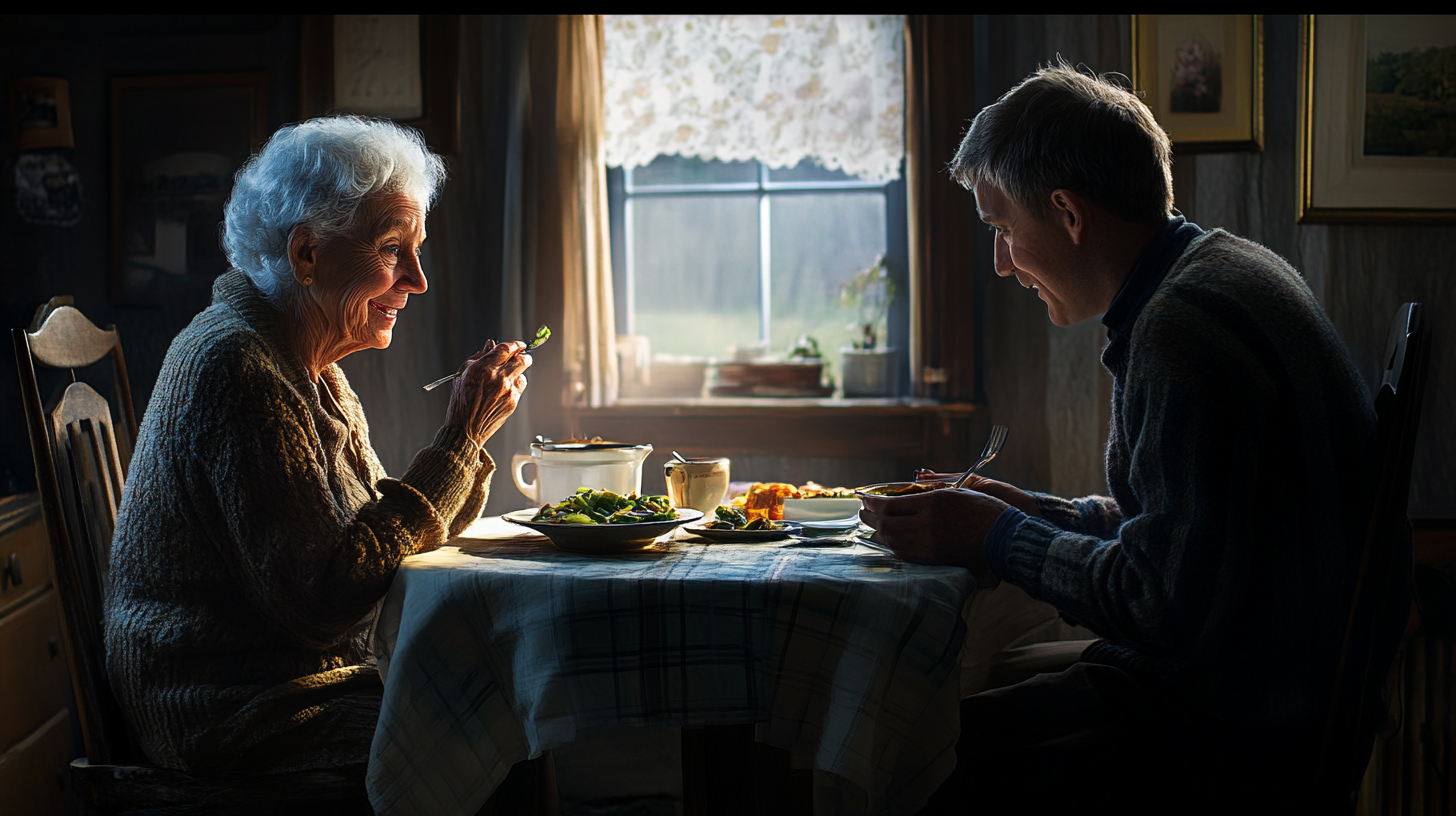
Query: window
[[707, 255], [755, 166]]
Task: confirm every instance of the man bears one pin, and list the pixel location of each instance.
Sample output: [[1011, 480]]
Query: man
[[1218, 571]]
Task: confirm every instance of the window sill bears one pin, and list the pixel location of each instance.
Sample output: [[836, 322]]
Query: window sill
[[689, 406], [907, 433]]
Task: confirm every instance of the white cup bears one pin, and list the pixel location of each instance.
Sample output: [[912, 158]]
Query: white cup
[[697, 483]]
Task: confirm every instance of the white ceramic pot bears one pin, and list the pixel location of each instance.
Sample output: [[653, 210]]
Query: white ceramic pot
[[561, 468], [868, 373]]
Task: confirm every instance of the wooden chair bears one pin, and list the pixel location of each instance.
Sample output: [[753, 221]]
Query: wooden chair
[[1382, 597], [82, 453]]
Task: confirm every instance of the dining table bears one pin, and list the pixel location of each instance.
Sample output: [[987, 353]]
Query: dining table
[[499, 646]]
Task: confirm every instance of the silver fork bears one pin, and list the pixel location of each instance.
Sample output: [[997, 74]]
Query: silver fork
[[994, 443], [542, 335]]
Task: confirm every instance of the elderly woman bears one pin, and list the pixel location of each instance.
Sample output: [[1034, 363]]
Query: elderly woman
[[258, 530]]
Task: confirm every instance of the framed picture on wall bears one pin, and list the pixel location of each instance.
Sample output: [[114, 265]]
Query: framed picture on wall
[[1377, 119], [41, 113], [403, 67], [1203, 77], [176, 142]]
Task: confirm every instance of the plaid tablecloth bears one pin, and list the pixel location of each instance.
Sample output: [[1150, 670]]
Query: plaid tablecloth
[[493, 653]]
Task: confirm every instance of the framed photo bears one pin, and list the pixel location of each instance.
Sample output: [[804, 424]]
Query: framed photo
[[1377, 119], [403, 67], [1203, 77], [176, 142], [40, 109]]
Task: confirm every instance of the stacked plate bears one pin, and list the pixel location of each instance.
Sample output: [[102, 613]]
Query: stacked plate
[[822, 515]]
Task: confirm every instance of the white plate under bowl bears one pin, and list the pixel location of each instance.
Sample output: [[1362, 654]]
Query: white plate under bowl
[[820, 509], [835, 527]]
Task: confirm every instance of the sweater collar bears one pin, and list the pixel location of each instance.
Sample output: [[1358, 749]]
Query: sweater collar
[[235, 290], [1148, 274]]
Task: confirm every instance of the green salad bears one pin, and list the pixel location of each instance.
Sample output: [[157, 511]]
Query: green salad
[[590, 506], [731, 519]]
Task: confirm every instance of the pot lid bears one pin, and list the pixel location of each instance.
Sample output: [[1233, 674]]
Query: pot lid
[[595, 444]]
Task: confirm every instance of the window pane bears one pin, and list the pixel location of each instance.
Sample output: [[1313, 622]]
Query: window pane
[[667, 170], [809, 171], [695, 270], [818, 241]]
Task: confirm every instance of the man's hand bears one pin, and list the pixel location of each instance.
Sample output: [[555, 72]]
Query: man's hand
[[1011, 494], [937, 527]]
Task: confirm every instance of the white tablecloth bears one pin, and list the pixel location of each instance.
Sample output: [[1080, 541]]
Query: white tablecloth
[[845, 657]]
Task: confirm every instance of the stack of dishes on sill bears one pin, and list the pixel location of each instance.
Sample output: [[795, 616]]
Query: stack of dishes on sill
[[752, 372], [791, 378]]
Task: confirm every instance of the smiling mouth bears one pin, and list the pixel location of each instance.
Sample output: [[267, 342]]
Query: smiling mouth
[[384, 310]]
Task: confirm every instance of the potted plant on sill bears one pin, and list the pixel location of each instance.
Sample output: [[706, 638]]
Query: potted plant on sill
[[867, 369]]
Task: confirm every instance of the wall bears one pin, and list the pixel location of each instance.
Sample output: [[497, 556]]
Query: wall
[[473, 230], [45, 261], [1361, 273]]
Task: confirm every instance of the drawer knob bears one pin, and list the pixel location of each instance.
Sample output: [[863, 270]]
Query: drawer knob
[[53, 646], [11, 574]]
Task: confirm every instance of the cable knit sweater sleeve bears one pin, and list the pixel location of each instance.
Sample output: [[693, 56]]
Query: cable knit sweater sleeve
[[1090, 515], [308, 563]]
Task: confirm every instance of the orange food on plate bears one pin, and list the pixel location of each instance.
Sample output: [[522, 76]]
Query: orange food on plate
[[766, 499]]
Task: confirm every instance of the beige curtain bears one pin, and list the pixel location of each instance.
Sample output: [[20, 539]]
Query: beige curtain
[[571, 229]]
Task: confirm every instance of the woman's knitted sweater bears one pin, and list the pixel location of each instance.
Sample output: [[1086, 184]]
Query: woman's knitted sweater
[[257, 531], [1241, 466]]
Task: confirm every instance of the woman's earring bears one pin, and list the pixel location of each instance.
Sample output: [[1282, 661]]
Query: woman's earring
[[307, 281]]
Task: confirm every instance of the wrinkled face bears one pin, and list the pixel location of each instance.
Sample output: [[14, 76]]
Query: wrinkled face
[[365, 277], [1041, 256]]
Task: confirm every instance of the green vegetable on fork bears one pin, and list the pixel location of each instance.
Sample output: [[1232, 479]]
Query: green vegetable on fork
[[542, 335]]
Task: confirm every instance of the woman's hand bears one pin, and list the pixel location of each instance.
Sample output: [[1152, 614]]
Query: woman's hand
[[487, 390]]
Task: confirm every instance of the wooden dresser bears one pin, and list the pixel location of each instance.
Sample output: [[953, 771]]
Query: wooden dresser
[[35, 726]]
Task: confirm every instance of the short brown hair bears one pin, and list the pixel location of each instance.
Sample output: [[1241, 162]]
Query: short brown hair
[[1065, 129]]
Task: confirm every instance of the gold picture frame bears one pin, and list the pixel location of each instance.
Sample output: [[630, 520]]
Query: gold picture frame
[[40, 109], [1203, 78], [1351, 168]]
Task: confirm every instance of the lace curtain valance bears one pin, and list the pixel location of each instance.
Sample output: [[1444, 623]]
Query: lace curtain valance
[[778, 89]]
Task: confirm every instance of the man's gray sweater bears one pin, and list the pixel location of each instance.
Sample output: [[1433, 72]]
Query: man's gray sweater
[[1240, 462]]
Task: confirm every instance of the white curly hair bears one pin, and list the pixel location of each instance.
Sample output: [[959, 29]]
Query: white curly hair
[[316, 175]]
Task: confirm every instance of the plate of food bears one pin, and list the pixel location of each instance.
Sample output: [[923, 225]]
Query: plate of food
[[600, 521], [733, 527], [809, 502], [900, 488]]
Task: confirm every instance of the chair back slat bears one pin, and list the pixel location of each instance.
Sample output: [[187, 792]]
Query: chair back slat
[[68, 340], [96, 499]]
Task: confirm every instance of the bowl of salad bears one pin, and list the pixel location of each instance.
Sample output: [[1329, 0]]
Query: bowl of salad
[[600, 521]]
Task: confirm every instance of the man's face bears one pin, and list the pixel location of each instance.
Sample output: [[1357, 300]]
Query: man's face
[[1041, 254]]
